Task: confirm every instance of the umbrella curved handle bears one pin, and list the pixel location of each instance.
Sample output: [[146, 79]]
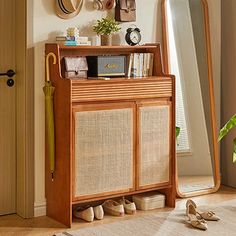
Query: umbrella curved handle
[[50, 54]]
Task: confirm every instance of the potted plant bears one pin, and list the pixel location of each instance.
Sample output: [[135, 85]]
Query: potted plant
[[106, 27], [225, 130]]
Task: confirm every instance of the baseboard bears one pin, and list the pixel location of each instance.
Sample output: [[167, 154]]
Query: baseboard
[[39, 209]]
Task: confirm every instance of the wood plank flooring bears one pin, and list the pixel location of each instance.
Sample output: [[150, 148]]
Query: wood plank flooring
[[44, 226]]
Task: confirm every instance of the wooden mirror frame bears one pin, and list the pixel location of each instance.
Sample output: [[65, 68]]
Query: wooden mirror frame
[[166, 53]]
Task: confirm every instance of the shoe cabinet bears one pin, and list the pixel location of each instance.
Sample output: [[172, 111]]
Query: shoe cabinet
[[113, 138]]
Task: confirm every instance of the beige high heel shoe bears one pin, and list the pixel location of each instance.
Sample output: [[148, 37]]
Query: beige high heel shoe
[[206, 215], [194, 221], [113, 208], [130, 207]]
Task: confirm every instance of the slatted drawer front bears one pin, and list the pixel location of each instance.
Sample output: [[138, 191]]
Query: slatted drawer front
[[154, 145], [103, 151], [109, 91]]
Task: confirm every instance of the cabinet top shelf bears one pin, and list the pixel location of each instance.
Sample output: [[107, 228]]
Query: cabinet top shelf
[[163, 78], [105, 48], [73, 51]]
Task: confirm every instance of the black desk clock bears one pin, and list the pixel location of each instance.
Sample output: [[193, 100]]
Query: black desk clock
[[133, 36]]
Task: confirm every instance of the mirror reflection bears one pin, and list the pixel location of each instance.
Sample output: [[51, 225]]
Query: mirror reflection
[[187, 46]]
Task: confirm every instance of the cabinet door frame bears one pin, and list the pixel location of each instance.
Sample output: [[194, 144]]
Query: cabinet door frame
[[98, 107], [154, 102]]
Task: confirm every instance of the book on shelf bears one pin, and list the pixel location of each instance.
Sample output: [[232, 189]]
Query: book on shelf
[[134, 67], [150, 64], [73, 41], [140, 64], [129, 60]]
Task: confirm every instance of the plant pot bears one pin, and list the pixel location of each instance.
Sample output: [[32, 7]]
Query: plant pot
[[106, 40]]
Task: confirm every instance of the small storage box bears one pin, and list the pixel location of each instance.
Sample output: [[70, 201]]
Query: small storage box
[[75, 67], [149, 201]]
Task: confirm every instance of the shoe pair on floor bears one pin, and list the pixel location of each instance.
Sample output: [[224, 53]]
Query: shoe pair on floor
[[119, 208], [198, 218], [110, 207], [88, 213]]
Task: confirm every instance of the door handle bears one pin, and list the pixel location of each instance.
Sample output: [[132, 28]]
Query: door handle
[[10, 73]]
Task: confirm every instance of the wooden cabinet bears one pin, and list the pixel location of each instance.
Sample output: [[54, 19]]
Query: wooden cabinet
[[113, 138], [104, 144], [154, 149]]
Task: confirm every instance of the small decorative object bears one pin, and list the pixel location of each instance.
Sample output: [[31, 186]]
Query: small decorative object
[[110, 4], [106, 27], [104, 5], [125, 10], [133, 36], [67, 9], [72, 32], [75, 67], [72, 36], [112, 66], [98, 4]]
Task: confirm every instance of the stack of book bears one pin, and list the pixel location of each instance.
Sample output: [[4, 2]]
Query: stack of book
[[73, 40], [140, 64]]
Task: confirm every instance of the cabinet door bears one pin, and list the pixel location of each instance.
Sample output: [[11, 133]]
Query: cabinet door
[[154, 143], [103, 160]]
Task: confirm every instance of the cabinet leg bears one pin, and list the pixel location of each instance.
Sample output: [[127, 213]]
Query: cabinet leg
[[170, 194]]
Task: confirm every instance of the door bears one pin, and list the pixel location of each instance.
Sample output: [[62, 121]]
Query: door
[[104, 149], [154, 144], [7, 109]]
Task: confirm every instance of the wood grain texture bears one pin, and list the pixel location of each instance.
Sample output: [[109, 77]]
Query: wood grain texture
[[123, 89], [7, 110], [74, 96], [25, 115], [166, 53], [58, 192]]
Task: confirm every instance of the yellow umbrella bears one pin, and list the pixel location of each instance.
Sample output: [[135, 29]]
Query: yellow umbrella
[[49, 91]]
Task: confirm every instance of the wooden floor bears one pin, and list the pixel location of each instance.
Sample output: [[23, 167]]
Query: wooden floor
[[43, 226]]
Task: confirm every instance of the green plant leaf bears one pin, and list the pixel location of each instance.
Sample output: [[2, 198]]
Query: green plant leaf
[[177, 131], [227, 127], [234, 152], [106, 26]]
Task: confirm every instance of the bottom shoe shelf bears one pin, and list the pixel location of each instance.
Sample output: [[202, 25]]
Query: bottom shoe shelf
[[89, 212]]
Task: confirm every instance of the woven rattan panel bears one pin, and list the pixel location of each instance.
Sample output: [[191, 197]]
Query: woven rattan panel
[[103, 151], [154, 145]]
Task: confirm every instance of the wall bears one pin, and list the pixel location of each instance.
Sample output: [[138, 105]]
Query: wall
[[45, 25], [228, 88]]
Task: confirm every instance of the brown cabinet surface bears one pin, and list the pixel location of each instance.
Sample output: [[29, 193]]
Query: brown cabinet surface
[[113, 138]]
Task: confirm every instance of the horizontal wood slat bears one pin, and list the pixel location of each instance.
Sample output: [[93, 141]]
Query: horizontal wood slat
[[121, 91]]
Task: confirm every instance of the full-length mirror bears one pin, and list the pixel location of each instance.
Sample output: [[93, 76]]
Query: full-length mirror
[[187, 55]]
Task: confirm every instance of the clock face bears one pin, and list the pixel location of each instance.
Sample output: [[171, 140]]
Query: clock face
[[135, 37]]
